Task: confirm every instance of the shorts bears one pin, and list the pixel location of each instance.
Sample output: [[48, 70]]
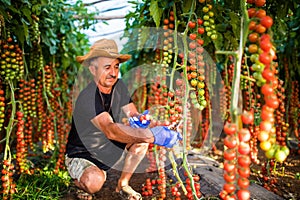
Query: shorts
[[76, 167]]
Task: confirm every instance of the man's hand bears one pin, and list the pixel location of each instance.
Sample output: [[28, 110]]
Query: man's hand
[[140, 121], [165, 137]]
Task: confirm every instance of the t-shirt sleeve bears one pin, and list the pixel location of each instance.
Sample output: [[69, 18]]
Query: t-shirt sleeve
[[85, 110]]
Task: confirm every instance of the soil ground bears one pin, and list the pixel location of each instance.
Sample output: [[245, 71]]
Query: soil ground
[[286, 176]]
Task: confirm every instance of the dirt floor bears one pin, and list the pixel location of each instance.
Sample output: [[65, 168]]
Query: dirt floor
[[283, 181]]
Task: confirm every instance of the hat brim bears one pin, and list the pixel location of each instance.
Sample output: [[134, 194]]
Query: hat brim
[[84, 60]]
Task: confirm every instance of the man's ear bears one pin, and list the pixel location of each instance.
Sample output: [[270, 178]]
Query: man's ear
[[92, 69]]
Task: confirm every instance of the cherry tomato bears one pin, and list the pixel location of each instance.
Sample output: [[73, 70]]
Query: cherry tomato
[[243, 194], [229, 154], [229, 166], [243, 183], [244, 172], [265, 58], [191, 24], [265, 145], [263, 136], [247, 117], [280, 156], [266, 21], [230, 128], [260, 3], [244, 148], [251, 12], [230, 141], [193, 36], [229, 177], [201, 30], [253, 37], [265, 126], [267, 89], [265, 45], [244, 161], [229, 188], [244, 135]]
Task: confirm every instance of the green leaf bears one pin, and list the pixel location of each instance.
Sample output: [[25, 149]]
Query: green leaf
[[186, 6], [155, 12], [7, 2], [231, 40], [219, 42], [235, 24], [143, 36], [27, 13]]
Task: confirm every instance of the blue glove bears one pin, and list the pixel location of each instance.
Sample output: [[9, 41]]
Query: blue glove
[[140, 121], [165, 137]]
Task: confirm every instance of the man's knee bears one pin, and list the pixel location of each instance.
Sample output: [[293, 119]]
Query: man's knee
[[93, 179]]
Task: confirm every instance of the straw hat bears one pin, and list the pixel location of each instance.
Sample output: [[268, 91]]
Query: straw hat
[[103, 48]]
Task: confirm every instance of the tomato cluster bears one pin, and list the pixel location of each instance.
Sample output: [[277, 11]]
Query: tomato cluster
[[2, 108], [21, 145], [8, 185], [230, 156], [209, 22], [264, 71], [12, 65], [168, 39]]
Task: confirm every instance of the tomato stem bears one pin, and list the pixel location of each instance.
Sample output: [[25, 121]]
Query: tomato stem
[[10, 125], [175, 171]]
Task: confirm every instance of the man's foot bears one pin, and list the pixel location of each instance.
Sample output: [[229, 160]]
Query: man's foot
[[126, 192], [82, 195]]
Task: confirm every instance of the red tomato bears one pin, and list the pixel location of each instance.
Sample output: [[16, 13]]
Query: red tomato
[[272, 101], [230, 128], [230, 141], [244, 161], [265, 126], [229, 177], [244, 135], [265, 45], [229, 154], [229, 188], [265, 58], [266, 21], [243, 194], [200, 41], [244, 148], [247, 117], [251, 12], [191, 24], [267, 89], [199, 21], [179, 82], [244, 172], [260, 3], [201, 30], [229, 166], [192, 45], [243, 183], [193, 36]]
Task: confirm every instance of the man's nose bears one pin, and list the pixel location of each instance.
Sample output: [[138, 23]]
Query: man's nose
[[113, 72]]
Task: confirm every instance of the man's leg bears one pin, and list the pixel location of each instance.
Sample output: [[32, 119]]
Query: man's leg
[[135, 155], [86, 175]]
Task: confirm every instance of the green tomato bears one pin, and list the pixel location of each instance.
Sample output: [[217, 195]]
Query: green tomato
[[280, 156]]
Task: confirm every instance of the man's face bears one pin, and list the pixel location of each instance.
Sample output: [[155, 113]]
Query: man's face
[[105, 71]]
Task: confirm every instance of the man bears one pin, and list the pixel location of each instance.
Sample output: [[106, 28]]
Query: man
[[98, 139]]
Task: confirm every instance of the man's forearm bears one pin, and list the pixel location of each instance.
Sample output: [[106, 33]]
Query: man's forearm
[[120, 132]]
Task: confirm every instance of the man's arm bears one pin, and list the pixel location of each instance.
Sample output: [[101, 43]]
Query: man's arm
[[120, 132], [130, 110]]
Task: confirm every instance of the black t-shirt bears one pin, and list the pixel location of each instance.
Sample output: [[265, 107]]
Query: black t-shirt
[[87, 141]]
